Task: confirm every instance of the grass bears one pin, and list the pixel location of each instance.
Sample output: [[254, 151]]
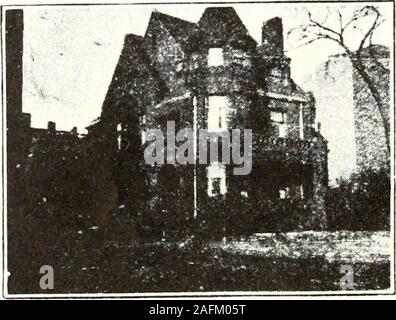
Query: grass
[[164, 267]]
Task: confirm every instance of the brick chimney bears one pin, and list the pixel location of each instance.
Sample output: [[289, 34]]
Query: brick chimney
[[14, 53], [51, 126], [272, 37]]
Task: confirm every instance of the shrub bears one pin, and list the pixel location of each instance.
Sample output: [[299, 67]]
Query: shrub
[[361, 202]]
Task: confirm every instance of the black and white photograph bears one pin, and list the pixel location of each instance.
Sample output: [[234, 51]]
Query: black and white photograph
[[234, 149]]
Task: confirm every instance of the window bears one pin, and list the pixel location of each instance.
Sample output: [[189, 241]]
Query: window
[[301, 191], [279, 119], [215, 57], [216, 186], [217, 113], [277, 116], [284, 193], [216, 179], [282, 130], [301, 121], [119, 137]]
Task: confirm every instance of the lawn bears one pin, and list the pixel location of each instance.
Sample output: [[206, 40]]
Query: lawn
[[266, 262]]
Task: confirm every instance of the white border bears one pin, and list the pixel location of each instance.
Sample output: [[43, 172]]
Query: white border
[[232, 295]]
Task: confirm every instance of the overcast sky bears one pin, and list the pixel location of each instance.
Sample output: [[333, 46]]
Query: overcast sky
[[70, 52]]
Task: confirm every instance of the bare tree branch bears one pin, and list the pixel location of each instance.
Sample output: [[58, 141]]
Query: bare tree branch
[[356, 16], [315, 31], [321, 26], [371, 29], [340, 21]]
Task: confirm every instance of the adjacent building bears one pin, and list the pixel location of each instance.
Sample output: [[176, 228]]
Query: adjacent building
[[351, 120]]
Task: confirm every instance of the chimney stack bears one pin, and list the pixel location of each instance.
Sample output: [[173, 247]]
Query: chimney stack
[[272, 37], [13, 55], [51, 126]]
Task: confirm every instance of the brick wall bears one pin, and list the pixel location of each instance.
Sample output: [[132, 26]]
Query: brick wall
[[371, 148]]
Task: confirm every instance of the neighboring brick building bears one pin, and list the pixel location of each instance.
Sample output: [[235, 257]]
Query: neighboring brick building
[[350, 118], [213, 75], [33, 154], [51, 179], [371, 145]]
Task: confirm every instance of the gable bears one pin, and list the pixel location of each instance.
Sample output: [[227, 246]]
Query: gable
[[220, 26], [132, 76], [180, 30]]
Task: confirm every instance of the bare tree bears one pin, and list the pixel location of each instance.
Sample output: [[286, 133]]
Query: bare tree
[[370, 16]]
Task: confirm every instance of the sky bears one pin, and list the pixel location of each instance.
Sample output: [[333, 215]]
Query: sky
[[70, 52]]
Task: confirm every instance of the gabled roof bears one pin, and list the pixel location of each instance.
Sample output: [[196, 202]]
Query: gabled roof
[[222, 24], [132, 75], [179, 29]]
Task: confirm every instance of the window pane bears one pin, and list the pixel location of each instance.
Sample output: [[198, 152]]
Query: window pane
[[282, 130], [276, 116], [216, 186], [215, 57], [216, 179], [119, 137], [284, 193], [217, 113]]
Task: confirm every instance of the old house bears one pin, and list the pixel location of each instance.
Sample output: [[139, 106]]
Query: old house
[[213, 75]]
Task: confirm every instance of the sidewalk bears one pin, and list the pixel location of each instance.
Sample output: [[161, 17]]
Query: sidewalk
[[339, 246]]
